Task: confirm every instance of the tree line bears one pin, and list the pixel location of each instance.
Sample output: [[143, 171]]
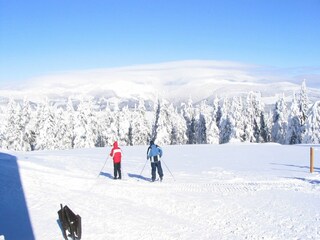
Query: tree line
[[26, 126]]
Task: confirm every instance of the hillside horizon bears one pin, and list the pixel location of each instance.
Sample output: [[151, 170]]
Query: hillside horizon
[[175, 81]]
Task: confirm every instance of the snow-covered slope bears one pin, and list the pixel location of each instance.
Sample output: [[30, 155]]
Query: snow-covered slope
[[232, 191], [175, 81]]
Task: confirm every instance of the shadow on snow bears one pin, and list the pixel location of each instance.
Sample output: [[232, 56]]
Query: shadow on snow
[[297, 166], [15, 220], [307, 168], [108, 175], [139, 177], [130, 175], [311, 181]]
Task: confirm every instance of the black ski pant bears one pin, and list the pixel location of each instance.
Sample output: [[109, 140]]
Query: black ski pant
[[117, 170], [154, 166]]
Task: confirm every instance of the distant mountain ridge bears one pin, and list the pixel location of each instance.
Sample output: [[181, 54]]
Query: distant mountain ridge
[[174, 81]]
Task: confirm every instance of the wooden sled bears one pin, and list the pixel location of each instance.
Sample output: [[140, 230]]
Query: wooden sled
[[69, 222]]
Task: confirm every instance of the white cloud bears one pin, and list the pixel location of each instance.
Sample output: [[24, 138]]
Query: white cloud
[[174, 80]]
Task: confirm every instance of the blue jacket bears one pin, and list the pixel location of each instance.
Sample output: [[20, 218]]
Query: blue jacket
[[154, 153]]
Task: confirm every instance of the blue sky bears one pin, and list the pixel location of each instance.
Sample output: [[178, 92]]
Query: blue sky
[[44, 37]]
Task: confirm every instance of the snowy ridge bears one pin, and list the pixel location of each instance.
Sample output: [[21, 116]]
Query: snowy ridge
[[231, 191], [175, 81]]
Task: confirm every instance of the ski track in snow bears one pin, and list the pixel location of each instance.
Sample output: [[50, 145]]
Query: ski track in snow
[[220, 203]]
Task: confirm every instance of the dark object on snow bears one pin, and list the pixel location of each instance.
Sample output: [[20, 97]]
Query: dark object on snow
[[70, 222]]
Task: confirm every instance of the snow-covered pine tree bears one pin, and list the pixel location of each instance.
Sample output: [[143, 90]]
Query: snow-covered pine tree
[[225, 125], [188, 109], [312, 134], [218, 115], [123, 118], [201, 130], [212, 127], [189, 112], [69, 119], [204, 118], [130, 135], [108, 127], [236, 121], [13, 134], [212, 133], [101, 132], [294, 130], [225, 130], [27, 131], [303, 103], [178, 127], [264, 128], [279, 120], [86, 125], [62, 136], [140, 125], [46, 129], [252, 117], [256, 131], [191, 131], [162, 127]]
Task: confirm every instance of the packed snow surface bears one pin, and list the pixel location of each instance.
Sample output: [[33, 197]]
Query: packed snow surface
[[231, 191]]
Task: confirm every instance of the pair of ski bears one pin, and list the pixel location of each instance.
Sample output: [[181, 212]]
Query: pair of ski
[[157, 180]]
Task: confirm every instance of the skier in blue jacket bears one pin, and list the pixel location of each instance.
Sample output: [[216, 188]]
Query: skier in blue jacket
[[154, 153]]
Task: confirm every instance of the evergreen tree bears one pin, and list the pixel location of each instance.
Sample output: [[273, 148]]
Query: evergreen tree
[[62, 135], [162, 127], [191, 131], [212, 123], [123, 118], [130, 135], [69, 119], [107, 127], [313, 125], [77, 126], [236, 123], [201, 130], [252, 118], [178, 127], [188, 113], [225, 124], [13, 131], [225, 130], [256, 131], [294, 130], [46, 129], [218, 115], [155, 122], [205, 117], [86, 125], [140, 126], [28, 134], [279, 120], [264, 129], [303, 103]]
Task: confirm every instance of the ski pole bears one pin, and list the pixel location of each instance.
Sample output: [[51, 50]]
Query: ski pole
[[143, 167], [103, 165], [168, 169], [122, 169]]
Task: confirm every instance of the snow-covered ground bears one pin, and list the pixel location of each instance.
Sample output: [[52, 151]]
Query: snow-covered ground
[[231, 191]]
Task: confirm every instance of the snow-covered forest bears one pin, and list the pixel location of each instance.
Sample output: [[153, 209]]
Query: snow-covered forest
[[82, 123]]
